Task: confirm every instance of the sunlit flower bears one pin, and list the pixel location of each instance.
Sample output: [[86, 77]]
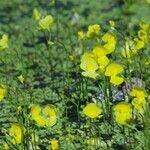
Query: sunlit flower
[[89, 65], [46, 22], [3, 91], [139, 103], [110, 41], [92, 110], [113, 69], [81, 35], [139, 44], [103, 62], [16, 132], [138, 92], [148, 1], [123, 113], [54, 144], [36, 15], [142, 34], [117, 79], [46, 116], [93, 30], [4, 42], [144, 25]]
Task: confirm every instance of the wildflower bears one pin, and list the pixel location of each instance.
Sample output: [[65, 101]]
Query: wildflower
[[123, 113], [138, 92], [46, 116], [112, 23], [139, 103], [36, 15], [93, 30], [103, 62], [110, 41], [3, 91], [35, 113], [148, 1], [16, 132], [21, 78], [142, 35], [4, 42], [113, 69], [5, 146], [81, 35], [117, 79], [50, 114], [92, 110], [89, 65], [46, 22], [139, 44], [144, 25], [54, 144]]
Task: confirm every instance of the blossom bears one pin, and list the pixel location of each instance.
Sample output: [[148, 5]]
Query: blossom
[[36, 15], [3, 91], [92, 110], [16, 132], [46, 116], [54, 144], [4, 42], [139, 44], [139, 103], [93, 30], [46, 22], [142, 35], [138, 92], [144, 25], [89, 65], [110, 41], [81, 35], [113, 69], [123, 113], [117, 79]]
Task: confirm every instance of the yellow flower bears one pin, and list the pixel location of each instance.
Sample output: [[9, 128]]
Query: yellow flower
[[117, 80], [4, 42], [46, 22], [144, 25], [148, 1], [50, 114], [92, 110], [142, 34], [93, 30], [113, 69], [123, 113], [16, 132], [139, 44], [21, 78], [81, 35], [103, 62], [139, 103], [5, 147], [138, 92], [46, 116], [110, 41], [3, 91], [99, 51], [112, 23], [54, 144], [36, 15], [89, 65]]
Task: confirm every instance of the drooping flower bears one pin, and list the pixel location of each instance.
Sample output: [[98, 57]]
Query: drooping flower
[[3, 91], [16, 132], [110, 41], [36, 15], [92, 110], [4, 42], [54, 144], [93, 30], [139, 103], [123, 113], [46, 22]]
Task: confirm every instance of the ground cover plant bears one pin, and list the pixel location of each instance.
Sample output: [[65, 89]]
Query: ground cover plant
[[75, 75]]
